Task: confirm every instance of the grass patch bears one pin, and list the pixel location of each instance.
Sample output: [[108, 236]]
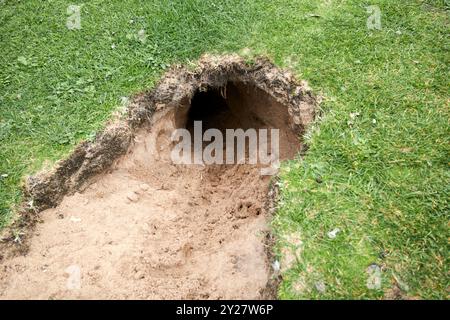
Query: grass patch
[[377, 165]]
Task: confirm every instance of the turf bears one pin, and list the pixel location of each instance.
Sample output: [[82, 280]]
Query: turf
[[377, 163]]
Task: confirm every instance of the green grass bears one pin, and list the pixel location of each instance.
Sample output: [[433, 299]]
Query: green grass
[[377, 164]]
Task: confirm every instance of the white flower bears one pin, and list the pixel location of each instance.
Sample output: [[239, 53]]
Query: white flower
[[332, 234]]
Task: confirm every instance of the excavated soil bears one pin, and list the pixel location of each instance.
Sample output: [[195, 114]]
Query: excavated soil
[[119, 220]]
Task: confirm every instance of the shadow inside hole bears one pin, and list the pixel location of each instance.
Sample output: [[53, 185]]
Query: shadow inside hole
[[238, 105]]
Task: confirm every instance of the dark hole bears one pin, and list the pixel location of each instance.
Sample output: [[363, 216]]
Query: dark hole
[[238, 106], [212, 109]]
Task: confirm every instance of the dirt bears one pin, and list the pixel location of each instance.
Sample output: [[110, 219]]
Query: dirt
[[119, 220]]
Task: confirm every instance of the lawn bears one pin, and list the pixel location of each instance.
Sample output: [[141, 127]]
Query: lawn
[[372, 191]]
